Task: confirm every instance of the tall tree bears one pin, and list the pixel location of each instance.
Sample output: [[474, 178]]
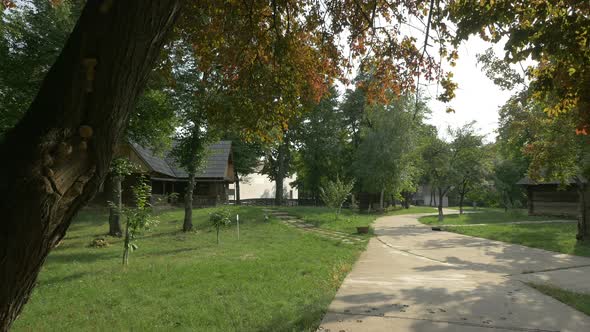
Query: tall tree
[[472, 163], [322, 145], [63, 145], [189, 152], [382, 157], [439, 159], [62, 148], [278, 163], [195, 94]]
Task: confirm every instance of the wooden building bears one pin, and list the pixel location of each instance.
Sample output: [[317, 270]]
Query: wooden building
[[549, 198], [167, 177]]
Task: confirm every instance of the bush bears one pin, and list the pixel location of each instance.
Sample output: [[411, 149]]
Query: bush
[[334, 194], [220, 218]]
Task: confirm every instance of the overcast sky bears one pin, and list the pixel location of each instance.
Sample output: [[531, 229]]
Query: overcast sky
[[477, 98]]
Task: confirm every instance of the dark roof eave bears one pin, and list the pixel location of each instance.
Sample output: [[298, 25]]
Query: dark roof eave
[[526, 181]]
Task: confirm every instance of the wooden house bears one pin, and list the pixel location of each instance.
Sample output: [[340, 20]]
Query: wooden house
[[167, 177], [549, 198]]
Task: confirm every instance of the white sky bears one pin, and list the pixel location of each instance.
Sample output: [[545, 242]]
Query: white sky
[[477, 97]]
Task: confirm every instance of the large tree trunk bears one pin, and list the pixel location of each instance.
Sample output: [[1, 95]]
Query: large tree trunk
[[237, 189], [440, 205], [117, 203], [281, 172], [60, 151], [461, 199], [187, 226], [381, 198], [583, 227]]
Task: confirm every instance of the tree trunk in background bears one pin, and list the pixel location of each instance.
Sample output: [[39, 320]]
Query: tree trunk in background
[[434, 196], [237, 189], [505, 200], [583, 227], [117, 200], [61, 150], [440, 205], [381, 198], [461, 198], [126, 245], [281, 172], [187, 225]]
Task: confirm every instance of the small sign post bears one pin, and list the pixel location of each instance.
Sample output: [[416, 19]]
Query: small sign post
[[238, 221]]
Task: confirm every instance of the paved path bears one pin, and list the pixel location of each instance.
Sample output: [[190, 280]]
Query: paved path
[[413, 279]]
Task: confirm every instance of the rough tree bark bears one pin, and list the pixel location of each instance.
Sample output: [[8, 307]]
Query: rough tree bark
[[441, 195], [187, 225], [114, 215], [61, 150], [281, 172], [583, 233], [237, 188], [462, 193]]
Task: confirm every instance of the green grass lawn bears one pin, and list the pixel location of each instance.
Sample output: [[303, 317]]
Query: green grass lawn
[[558, 237], [348, 220], [580, 302], [275, 278], [486, 216]]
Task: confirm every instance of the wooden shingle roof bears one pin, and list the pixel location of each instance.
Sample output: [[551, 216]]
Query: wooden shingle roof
[[215, 167]]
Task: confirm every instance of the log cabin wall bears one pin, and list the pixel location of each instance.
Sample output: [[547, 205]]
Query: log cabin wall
[[548, 199]]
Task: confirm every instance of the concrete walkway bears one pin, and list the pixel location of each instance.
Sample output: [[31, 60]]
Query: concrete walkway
[[413, 279]]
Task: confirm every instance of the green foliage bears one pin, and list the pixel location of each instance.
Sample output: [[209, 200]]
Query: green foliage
[[137, 218], [383, 159], [122, 167], [335, 193], [438, 164], [194, 96], [220, 218], [324, 148], [30, 41], [553, 33], [154, 120], [246, 153], [499, 71], [473, 162]]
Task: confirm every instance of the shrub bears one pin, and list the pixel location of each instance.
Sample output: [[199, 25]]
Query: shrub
[[334, 193], [220, 218], [137, 218]]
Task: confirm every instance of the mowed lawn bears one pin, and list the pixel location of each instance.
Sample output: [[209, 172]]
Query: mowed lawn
[[275, 278], [485, 216], [348, 220], [558, 237]]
